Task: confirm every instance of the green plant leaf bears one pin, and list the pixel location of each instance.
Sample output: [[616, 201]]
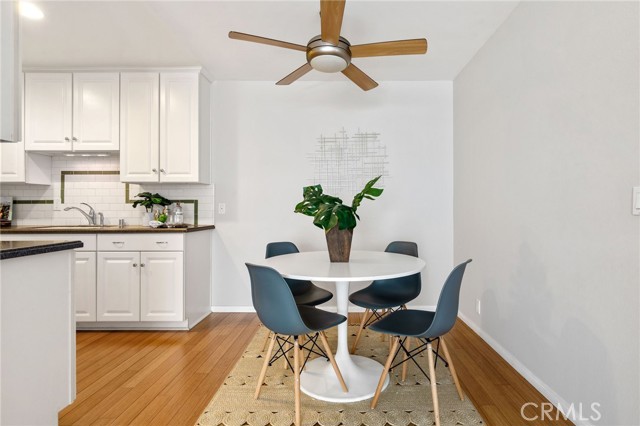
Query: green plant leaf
[[329, 211]]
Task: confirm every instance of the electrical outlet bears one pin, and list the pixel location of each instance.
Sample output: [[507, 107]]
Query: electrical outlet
[[57, 204], [222, 208], [478, 306]]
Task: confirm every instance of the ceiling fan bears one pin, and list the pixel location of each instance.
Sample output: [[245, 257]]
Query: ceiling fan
[[331, 53]]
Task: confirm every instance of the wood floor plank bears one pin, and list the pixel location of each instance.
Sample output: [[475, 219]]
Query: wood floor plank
[[168, 378]]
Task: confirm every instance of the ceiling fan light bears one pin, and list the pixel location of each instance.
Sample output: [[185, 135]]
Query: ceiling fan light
[[328, 63]]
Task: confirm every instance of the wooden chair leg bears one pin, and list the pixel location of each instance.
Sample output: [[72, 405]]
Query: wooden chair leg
[[434, 389], [363, 321], [296, 374], [327, 349], [265, 364], [385, 371], [300, 342], [452, 369], [285, 348], [404, 364], [266, 340]]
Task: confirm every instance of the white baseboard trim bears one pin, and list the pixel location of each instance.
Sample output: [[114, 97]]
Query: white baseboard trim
[[326, 308], [537, 383], [232, 309]]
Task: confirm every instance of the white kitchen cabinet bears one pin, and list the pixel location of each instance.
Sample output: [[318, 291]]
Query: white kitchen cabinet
[[161, 286], [16, 165], [10, 73], [140, 286], [180, 151], [85, 285], [72, 111], [118, 286], [155, 280], [139, 126]]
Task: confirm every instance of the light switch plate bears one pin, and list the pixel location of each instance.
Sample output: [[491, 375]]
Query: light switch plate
[[635, 207], [57, 204]]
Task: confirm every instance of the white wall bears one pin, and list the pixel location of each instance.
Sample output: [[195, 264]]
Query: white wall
[[545, 155], [262, 136]]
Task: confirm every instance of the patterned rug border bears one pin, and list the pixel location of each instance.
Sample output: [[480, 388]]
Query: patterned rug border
[[409, 404]]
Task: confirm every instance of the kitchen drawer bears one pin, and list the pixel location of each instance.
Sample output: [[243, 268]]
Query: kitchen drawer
[[89, 240], [161, 241]]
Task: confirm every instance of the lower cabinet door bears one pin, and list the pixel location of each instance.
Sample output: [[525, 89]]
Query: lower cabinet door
[[85, 286], [118, 286], [161, 286]]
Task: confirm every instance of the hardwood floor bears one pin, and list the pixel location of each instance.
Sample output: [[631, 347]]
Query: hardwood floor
[[167, 378]]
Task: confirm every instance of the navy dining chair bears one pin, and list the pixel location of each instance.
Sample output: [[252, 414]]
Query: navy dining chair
[[427, 327], [288, 321], [304, 291], [384, 296]]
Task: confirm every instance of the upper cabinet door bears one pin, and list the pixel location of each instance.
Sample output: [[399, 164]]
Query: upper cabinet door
[[12, 162], [10, 80], [48, 111], [139, 128], [179, 132], [96, 111]]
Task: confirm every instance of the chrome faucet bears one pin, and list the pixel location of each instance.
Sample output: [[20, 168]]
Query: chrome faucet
[[91, 216]]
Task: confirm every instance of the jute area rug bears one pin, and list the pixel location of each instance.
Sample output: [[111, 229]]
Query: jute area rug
[[403, 403]]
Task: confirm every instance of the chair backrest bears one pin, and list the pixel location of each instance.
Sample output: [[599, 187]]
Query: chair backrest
[[448, 302], [405, 288], [274, 301], [286, 247]]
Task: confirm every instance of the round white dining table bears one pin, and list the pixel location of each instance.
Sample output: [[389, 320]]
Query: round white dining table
[[361, 374]]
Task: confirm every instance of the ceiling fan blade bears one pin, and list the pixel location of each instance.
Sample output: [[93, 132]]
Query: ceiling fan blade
[[389, 48], [331, 13], [257, 39], [356, 75], [295, 75]]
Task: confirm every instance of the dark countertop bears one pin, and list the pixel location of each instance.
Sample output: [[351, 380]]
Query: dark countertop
[[48, 229], [11, 249]]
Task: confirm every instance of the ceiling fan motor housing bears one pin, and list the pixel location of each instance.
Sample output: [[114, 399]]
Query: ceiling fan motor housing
[[326, 57]]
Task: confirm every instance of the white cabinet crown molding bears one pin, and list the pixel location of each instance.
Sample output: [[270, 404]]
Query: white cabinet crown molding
[[199, 69]]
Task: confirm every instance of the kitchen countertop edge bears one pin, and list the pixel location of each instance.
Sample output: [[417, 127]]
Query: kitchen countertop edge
[[29, 248], [48, 229]]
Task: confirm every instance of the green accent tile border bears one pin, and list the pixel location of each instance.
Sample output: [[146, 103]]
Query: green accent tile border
[[32, 201], [127, 188]]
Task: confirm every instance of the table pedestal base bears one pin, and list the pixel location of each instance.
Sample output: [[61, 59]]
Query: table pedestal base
[[361, 374]]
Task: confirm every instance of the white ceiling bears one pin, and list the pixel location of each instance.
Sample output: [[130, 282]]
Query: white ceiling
[[174, 33]]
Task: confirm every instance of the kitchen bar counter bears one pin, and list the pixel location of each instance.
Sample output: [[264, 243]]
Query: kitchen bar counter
[[37, 330], [11, 249], [84, 229]]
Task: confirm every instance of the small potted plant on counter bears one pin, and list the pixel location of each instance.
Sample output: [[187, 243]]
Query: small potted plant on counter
[[336, 218], [148, 200]]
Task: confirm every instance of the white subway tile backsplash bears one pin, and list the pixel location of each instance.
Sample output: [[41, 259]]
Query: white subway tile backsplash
[[104, 192]]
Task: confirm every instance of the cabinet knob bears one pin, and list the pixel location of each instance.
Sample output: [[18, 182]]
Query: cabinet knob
[[135, 264], [118, 243], [74, 139], [154, 170], [162, 170], [142, 265], [66, 138]]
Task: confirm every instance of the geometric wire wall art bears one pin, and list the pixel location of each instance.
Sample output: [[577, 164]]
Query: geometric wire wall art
[[343, 163]]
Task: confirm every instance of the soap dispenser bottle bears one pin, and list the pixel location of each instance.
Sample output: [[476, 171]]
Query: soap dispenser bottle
[[178, 214]]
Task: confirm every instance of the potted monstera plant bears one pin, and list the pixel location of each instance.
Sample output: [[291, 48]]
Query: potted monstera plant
[[148, 200], [337, 219]]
